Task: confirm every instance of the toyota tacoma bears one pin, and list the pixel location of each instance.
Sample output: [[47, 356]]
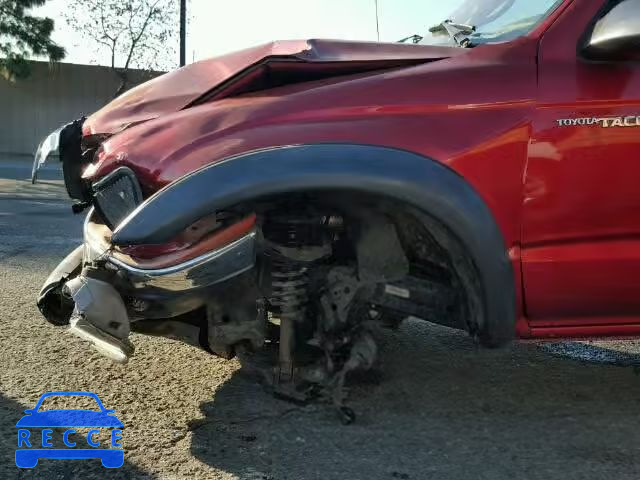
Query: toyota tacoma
[[283, 202]]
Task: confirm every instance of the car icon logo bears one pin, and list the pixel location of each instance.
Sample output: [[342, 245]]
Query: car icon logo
[[34, 445]]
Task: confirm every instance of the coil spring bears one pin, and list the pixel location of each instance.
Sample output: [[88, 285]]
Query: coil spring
[[290, 277], [289, 287]]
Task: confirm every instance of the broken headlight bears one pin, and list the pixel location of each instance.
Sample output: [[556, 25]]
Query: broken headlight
[[117, 195]]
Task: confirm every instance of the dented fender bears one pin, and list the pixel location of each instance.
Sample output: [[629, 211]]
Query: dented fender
[[412, 179]]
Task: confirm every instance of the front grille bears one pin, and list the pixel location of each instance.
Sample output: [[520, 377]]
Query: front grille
[[117, 195]]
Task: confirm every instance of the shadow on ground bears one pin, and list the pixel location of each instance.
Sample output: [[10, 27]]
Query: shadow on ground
[[10, 412], [442, 410]]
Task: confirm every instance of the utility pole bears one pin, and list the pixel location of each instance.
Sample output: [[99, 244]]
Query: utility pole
[[377, 22], [183, 32]]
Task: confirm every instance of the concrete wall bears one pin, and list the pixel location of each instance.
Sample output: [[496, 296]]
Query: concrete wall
[[53, 95]]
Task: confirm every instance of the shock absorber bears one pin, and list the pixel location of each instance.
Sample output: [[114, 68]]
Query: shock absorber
[[295, 243], [289, 283]]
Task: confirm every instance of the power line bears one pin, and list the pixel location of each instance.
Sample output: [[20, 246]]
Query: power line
[[183, 32], [377, 21]]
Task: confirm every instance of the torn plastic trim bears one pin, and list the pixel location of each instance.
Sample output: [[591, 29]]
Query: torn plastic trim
[[53, 304]]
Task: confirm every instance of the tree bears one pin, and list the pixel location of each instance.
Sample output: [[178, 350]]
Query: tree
[[23, 36], [133, 33]]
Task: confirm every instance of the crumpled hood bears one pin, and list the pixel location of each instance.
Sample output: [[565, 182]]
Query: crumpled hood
[[254, 69]]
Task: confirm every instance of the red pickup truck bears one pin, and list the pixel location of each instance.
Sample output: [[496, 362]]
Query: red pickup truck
[[293, 197]]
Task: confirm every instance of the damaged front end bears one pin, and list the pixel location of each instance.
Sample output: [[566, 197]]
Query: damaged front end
[[113, 292], [294, 284], [101, 289], [295, 287], [114, 289], [288, 257]]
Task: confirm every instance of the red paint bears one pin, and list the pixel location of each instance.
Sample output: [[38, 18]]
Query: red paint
[[581, 210], [596, 279], [422, 109], [567, 199], [177, 89]]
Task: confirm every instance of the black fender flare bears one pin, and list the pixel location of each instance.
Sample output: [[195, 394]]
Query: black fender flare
[[401, 175]]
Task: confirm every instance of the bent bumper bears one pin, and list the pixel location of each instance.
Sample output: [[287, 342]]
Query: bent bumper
[[205, 270], [110, 291]]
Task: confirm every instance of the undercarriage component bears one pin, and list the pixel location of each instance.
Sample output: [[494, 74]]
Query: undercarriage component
[[329, 284], [240, 322], [332, 286], [187, 330], [362, 356], [100, 316], [345, 338], [327, 276], [417, 297], [289, 297], [340, 344], [296, 243]]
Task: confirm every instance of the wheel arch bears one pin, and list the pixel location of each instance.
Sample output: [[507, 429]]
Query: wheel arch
[[421, 182]]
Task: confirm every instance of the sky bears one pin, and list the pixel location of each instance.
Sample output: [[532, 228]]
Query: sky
[[219, 27]]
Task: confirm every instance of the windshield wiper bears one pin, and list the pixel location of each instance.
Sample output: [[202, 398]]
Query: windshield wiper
[[415, 38], [457, 31]]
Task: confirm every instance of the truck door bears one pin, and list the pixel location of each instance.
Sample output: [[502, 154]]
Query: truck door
[[581, 202]]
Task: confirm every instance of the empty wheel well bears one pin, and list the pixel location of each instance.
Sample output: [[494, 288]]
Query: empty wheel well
[[389, 239]]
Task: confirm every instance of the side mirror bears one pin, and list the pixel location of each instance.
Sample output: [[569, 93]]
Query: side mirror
[[616, 36]]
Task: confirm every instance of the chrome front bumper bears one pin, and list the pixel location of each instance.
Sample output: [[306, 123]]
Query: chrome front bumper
[[108, 292], [203, 271]]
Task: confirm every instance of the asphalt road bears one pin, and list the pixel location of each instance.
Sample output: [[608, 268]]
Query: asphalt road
[[438, 408]]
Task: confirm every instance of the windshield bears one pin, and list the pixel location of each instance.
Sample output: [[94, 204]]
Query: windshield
[[495, 20]]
